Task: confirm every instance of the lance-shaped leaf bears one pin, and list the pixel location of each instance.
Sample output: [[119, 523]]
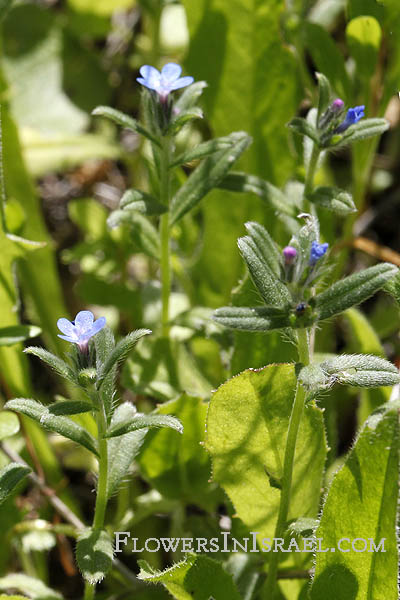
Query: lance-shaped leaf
[[202, 150], [190, 96], [361, 370], [324, 94], [185, 116], [254, 252], [303, 127], [119, 353], [140, 421], [353, 289], [94, 554], [266, 246], [62, 425], [17, 333], [361, 131], [141, 202], [123, 449], [143, 232], [333, 199], [252, 319], [70, 407], [9, 424], [29, 586], [207, 176], [241, 182], [121, 119], [360, 514], [56, 363], [10, 477]]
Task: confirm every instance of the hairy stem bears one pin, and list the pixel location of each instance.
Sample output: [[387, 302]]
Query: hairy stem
[[288, 463], [309, 182], [164, 235]]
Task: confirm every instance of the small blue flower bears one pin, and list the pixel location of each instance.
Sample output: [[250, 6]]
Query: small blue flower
[[317, 252], [165, 82], [82, 329], [352, 117]]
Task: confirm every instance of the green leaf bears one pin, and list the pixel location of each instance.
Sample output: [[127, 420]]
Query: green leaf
[[364, 36], [333, 199], [9, 424], [178, 466], [251, 319], [70, 407], [266, 246], [141, 202], [202, 150], [324, 94], [140, 421], [255, 252], [251, 411], [184, 117], [190, 96], [197, 577], [104, 344], [207, 176], [119, 353], [362, 503], [143, 232], [303, 127], [5, 6], [121, 119], [49, 421], [10, 477], [17, 333], [56, 363], [362, 370], [353, 290], [123, 449], [94, 554], [361, 131], [29, 586]]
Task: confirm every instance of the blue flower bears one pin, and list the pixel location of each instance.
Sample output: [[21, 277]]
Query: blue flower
[[352, 117], [165, 82], [317, 252], [82, 329]]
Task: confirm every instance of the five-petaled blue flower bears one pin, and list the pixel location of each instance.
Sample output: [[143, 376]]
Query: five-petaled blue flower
[[353, 116], [317, 252], [82, 329], [165, 82]]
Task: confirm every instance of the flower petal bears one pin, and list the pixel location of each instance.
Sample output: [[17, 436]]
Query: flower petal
[[171, 71], [66, 327], [97, 325], [84, 321], [68, 338], [182, 82], [151, 77]]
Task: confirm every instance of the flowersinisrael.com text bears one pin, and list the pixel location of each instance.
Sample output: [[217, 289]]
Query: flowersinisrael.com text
[[226, 543]]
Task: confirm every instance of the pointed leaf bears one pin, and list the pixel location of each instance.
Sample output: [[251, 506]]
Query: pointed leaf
[[251, 319], [119, 353], [207, 176], [184, 117], [303, 127], [29, 586], [333, 199], [10, 477], [105, 343], [324, 94], [70, 407], [190, 96], [17, 333], [94, 554], [140, 421], [141, 202], [56, 363], [361, 370], [9, 424], [361, 131], [202, 150], [121, 119], [353, 290]]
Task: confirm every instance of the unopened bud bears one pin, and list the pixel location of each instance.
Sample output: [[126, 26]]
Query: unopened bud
[[289, 254]]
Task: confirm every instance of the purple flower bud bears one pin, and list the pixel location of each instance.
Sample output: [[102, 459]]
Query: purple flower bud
[[317, 251], [165, 82], [289, 254], [337, 105], [81, 330], [352, 117]]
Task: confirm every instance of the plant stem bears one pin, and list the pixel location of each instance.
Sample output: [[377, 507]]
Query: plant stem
[[311, 169], [288, 463], [164, 234]]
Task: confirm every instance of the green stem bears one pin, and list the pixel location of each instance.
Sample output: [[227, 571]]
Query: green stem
[[164, 235], [311, 169], [288, 463]]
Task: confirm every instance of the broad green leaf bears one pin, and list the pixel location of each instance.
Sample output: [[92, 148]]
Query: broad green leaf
[[122, 119], [122, 450], [119, 353], [251, 411], [333, 199], [10, 477], [353, 290], [206, 176], [94, 554], [29, 586], [197, 577], [56, 363], [9, 424], [140, 421], [59, 424], [364, 39], [17, 333], [362, 504], [178, 466]]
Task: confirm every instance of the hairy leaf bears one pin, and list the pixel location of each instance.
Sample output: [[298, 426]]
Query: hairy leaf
[[94, 554], [10, 477]]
